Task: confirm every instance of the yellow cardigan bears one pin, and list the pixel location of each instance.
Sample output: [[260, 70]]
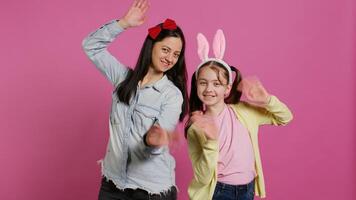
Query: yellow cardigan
[[204, 153]]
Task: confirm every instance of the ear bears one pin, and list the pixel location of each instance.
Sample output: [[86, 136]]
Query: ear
[[203, 47], [228, 90], [219, 44]]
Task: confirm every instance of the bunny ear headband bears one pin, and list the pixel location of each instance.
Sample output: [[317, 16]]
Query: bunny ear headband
[[218, 48]]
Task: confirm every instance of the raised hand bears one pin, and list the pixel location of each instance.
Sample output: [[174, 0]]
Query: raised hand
[[205, 123], [136, 15], [254, 91]]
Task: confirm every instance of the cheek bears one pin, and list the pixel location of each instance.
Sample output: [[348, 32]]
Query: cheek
[[199, 92], [156, 53], [200, 89], [174, 61]]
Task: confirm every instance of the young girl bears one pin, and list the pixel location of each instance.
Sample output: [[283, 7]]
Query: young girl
[[222, 131], [147, 103]]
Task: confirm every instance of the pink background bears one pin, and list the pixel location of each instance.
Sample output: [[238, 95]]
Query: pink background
[[54, 104]]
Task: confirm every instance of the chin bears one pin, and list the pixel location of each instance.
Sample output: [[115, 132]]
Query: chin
[[208, 103], [167, 68], [163, 69]]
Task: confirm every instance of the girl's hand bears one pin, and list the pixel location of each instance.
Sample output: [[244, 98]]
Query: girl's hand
[[254, 91], [205, 123], [135, 16], [157, 136]]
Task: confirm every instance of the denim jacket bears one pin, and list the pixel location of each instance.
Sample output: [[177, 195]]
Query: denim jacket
[[128, 162]]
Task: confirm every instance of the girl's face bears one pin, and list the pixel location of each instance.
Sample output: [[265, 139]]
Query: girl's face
[[165, 54], [212, 89]]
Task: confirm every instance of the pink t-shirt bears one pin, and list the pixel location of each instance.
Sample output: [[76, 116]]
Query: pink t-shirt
[[236, 165]]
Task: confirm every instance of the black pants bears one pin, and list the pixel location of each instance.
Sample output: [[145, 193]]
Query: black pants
[[108, 191]]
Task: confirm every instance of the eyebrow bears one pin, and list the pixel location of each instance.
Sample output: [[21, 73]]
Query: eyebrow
[[170, 48], [202, 79]]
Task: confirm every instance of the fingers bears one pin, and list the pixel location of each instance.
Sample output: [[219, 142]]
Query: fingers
[[135, 3], [157, 128], [196, 116], [145, 7], [254, 91], [155, 136], [247, 84], [142, 3], [198, 112]]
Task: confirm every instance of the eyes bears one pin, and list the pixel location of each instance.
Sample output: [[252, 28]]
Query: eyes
[[166, 50], [205, 83]]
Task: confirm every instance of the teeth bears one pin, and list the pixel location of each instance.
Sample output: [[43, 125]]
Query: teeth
[[164, 62]]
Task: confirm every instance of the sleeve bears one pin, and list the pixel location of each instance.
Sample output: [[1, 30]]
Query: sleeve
[[170, 110], [275, 112], [203, 154], [95, 46], [169, 115]]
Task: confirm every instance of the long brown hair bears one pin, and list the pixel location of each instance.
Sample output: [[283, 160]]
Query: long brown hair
[[177, 74]]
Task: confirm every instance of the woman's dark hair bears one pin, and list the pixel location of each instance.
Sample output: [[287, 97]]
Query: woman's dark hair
[[177, 74], [195, 104]]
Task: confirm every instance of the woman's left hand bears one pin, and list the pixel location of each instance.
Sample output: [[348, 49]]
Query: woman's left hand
[[157, 136], [254, 91]]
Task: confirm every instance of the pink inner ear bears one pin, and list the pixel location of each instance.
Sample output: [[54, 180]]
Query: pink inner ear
[[219, 44], [203, 47]]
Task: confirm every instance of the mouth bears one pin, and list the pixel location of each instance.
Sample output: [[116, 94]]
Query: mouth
[[209, 95], [165, 64]]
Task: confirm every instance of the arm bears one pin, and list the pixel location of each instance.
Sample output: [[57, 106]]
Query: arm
[[95, 46], [274, 112], [161, 133], [268, 109], [203, 154]]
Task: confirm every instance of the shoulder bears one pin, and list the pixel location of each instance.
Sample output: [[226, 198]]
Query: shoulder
[[171, 88], [170, 91]]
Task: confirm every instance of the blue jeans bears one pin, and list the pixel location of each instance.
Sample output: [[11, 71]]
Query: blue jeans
[[234, 192]]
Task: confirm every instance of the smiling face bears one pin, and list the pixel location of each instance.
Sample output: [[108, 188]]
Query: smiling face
[[165, 54], [212, 87]]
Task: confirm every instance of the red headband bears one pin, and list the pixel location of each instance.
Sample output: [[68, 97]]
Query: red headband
[[168, 24]]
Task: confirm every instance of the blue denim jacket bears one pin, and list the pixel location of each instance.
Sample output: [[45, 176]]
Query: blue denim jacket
[[128, 162]]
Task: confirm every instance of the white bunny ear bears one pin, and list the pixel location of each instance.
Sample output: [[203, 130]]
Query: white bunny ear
[[219, 44], [203, 47]]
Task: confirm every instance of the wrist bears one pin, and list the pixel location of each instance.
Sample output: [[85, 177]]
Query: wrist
[[268, 99], [123, 23]]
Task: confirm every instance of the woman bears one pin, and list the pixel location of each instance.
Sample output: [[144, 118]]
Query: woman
[[147, 103]]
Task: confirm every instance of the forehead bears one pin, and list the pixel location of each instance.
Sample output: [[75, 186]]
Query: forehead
[[208, 73], [174, 43]]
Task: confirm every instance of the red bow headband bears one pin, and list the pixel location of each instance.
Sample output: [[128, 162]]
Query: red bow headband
[[168, 24]]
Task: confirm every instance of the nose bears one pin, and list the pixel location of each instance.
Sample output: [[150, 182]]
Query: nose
[[209, 87], [169, 58]]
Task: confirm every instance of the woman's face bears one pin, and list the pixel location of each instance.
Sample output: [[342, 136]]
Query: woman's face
[[165, 54], [212, 89]]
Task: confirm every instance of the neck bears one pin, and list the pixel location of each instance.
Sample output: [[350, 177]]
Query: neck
[[151, 77], [215, 110]]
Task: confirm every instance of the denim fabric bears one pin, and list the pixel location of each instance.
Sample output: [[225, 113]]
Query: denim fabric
[[128, 162], [108, 191], [234, 192]]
